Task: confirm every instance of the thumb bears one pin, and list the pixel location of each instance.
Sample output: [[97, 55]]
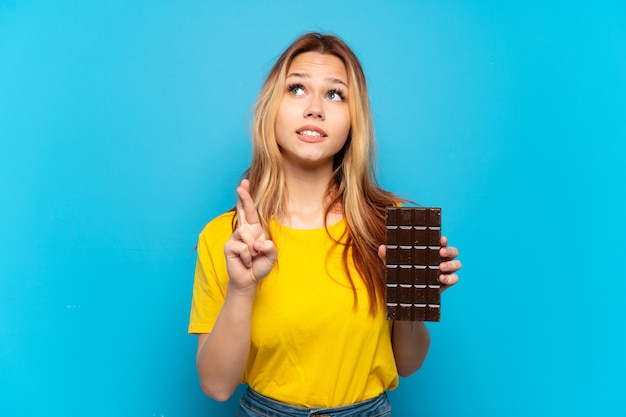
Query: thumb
[[382, 252], [266, 247]]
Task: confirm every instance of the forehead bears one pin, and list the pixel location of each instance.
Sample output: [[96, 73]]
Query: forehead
[[316, 64]]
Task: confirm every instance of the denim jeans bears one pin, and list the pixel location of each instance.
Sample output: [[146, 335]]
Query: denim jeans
[[254, 404]]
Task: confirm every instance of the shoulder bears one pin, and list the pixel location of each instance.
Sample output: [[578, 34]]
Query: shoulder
[[219, 228]]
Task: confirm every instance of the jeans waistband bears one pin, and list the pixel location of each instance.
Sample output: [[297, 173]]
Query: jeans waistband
[[254, 404]]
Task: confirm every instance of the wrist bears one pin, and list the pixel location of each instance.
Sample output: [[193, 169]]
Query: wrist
[[245, 292]]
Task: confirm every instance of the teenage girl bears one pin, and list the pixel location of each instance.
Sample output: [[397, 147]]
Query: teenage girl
[[289, 291]]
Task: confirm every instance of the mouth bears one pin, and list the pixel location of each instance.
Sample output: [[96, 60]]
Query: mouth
[[311, 134]]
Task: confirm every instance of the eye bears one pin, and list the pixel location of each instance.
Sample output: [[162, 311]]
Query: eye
[[296, 89], [336, 95]]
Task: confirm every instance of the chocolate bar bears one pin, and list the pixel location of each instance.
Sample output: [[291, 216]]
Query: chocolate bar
[[413, 242]]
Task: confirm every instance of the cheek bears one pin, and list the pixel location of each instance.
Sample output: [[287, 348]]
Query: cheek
[[280, 124], [347, 124], [343, 131]]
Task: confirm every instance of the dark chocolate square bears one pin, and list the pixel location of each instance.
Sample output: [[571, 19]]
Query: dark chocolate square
[[413, 241]]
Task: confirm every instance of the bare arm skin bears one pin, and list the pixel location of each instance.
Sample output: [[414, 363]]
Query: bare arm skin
[[222, 354]]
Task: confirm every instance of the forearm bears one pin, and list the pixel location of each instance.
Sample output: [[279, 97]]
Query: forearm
[[410, 341], [223, 354]]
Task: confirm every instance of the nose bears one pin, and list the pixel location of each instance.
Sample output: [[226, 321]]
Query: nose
[[314, 109]]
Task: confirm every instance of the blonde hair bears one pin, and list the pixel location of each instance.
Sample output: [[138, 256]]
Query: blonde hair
[[353, 184]]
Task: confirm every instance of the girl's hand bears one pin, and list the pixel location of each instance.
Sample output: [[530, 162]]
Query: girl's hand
[[250, 256], [448, 266]]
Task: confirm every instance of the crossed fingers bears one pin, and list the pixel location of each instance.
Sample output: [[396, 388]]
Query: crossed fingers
[[249, 229]]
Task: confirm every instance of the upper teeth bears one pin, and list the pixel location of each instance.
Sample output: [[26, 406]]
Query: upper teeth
[[311, 133]]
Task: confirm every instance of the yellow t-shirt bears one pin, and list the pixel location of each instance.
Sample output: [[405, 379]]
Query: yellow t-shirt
[[310, 345]]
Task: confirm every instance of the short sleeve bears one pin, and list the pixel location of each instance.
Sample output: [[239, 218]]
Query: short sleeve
[[211, 276]]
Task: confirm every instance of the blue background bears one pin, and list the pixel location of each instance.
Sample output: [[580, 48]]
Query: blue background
[[124, 129]]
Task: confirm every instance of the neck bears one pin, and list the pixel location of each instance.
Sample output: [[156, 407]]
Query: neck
[[307, 190]]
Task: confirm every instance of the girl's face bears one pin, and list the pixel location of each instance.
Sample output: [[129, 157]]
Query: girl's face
[[313, 119]]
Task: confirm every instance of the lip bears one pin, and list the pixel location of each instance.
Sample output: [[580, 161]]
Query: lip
[[311, 139]]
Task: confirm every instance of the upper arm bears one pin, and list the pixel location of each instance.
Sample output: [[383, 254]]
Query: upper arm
[[202, 337]]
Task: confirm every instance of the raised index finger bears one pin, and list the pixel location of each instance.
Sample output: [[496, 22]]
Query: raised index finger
[[245, 206]]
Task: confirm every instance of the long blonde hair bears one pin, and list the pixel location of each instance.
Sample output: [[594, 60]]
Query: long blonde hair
[[353, 184]]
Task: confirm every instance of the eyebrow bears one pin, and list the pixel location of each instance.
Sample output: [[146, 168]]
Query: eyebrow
[[329, 79]]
